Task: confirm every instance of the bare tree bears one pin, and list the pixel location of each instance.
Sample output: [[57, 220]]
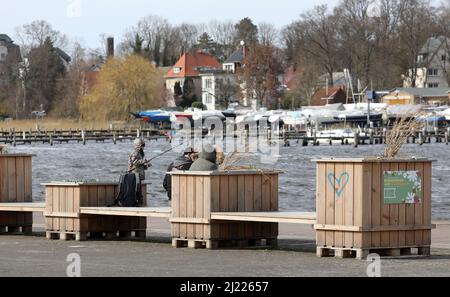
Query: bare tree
[[223, 34], [357, 34], [268, 34], [260, 74], [314, 36], [417, 25], [35, 34]]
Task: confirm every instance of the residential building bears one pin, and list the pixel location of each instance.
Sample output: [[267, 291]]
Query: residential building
[[234, 62], [219, 87], [425, 96], [191, 65], [7, 47], [434, 65], [9, 53]]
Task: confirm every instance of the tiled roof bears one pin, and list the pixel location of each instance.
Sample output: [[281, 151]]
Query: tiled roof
[[235, 57], [193, 64]]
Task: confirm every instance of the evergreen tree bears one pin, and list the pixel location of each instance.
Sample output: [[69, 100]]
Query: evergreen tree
[[189, 95], [246, 31]]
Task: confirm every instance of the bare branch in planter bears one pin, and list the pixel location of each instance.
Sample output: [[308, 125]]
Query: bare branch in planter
[[403, 128]]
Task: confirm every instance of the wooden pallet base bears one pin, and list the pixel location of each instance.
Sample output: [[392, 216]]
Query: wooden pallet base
[[215, 244], [362, 254], [83, 236], [16, 229]]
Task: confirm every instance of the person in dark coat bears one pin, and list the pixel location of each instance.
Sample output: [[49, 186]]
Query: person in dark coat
[[182, 163], [206, 160]]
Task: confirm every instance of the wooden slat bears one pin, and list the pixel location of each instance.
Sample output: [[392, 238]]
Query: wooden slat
[[199, 212], [24, 207], [207, 206], [308, 218], [76, 207], [402, 213], [274, 192], [241, 193], [183, 205], [385, 209], [248, 193], [215, 203], [233, 193], [358, 203], [157, 212], [418, 209], [321, 201], [56, 202], [175, 204], [257, 189], [20, 188], [49, 207], [349, 204], [28, 179], [377, 196], [339, 207], [394, 214], [62, 207], [84, 202], [224, 204], [427, 189], [410, 215], [329, 209], [190, 204], [12, 193], [4, 194]]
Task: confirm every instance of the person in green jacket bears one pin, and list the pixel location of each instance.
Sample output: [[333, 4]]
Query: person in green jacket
[[206, 160]]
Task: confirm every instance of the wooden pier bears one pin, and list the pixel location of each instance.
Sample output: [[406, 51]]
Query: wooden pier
[[13, 137]]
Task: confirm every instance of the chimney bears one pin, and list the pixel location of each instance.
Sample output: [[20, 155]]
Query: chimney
[[110, 47]]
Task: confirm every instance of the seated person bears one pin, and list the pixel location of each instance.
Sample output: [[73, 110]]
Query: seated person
[[206, 160], [182, 163]]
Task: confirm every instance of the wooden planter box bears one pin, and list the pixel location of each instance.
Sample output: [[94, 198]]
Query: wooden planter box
[[195, 195], [353, 218], [64, 220], [15, 187]]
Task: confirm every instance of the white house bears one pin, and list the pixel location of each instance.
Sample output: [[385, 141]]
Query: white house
[[434, 65]]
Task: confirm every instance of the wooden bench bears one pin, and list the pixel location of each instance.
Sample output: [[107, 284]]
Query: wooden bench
[[307, 218]]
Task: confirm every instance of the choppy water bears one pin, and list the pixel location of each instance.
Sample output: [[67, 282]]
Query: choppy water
[[106, 161]]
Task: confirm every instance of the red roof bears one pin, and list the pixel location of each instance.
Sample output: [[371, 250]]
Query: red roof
[[189, 63], [335, 94]]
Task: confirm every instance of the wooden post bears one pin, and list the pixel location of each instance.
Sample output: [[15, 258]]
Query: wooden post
[[50, 139], [356, 140], [138, 133], [447, 135], [371, 136], [83, 137]]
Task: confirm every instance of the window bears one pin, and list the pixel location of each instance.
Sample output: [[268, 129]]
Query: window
[[176, 70], [229, 68], [433, 72], [444, 58], [208, 83], [433, 85], [3, 56], [208, 99]]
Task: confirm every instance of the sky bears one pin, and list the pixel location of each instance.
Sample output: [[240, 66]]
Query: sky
[[85, 20]]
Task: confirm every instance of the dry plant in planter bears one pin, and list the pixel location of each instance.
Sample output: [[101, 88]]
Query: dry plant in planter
[[403, 128], [234, 160]]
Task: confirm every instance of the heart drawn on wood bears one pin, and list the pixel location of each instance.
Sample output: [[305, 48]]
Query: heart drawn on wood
[[340, 183]]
